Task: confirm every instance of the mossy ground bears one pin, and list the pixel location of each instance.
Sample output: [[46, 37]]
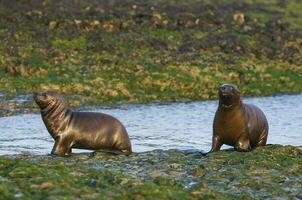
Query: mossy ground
[[140, 51], [271, 172]]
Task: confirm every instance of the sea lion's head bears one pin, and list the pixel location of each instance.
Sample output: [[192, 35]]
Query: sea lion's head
[[48, 99], [229, 95]]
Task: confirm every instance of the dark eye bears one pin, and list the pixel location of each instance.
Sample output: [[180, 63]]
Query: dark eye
[[44, 95]]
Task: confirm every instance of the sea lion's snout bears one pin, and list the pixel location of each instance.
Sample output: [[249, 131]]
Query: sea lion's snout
[[222, 88], [39, 96], [43, 99], [36, 95], [229, 95], [226, 90]]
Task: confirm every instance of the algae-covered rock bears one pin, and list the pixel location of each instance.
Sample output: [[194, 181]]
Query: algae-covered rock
[[273, 171], [104, 52], [5, 191]]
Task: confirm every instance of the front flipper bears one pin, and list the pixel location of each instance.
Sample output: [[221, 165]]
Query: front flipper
[[216, 143], [61, 147], [243, 143]]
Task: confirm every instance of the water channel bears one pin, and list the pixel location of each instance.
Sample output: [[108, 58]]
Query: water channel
[[160, 126]]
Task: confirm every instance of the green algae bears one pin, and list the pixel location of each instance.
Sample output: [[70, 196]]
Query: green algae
[[133, 52], [273, 171]]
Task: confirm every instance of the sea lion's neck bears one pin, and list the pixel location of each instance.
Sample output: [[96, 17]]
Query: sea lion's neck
[[227, 108], [56, 118]]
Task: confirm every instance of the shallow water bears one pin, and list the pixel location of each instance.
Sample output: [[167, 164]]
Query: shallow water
[[155, 126]]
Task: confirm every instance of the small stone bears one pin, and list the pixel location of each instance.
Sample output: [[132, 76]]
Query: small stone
[[47, 185], [174, 165], [92, 183], [52, 24], [199, 172], [239, 18], [247, 28]]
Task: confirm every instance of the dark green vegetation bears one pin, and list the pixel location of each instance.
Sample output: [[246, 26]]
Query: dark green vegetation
[[100, 52], [267, 172]]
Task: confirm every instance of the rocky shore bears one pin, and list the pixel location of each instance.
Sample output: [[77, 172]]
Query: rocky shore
[[273, 172]]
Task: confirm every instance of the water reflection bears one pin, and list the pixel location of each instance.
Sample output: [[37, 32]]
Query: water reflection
[[153, 126]]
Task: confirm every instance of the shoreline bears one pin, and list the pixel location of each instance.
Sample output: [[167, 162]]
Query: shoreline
[[170, 174], [90, 153], [10, 107]]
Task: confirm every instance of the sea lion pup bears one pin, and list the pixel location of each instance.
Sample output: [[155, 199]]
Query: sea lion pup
[[240, 125], [82, 130]]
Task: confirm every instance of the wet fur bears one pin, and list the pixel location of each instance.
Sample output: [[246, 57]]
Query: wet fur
[[240, 125], [82, 130]]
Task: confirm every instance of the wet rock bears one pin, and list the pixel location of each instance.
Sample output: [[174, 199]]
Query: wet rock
[[268, 172], [47, 185], [199, 171], [165, 181], [5, 191], [174, 165], [158, 43]]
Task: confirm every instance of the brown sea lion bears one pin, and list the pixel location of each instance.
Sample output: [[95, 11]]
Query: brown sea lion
[[240, 125], [82, 130]]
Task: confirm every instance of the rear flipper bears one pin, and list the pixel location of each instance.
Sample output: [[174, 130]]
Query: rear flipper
[[115, 152], [126, 152], [262, 138]]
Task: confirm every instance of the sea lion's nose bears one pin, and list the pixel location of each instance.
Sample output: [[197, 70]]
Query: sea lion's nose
[[36, 95]]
